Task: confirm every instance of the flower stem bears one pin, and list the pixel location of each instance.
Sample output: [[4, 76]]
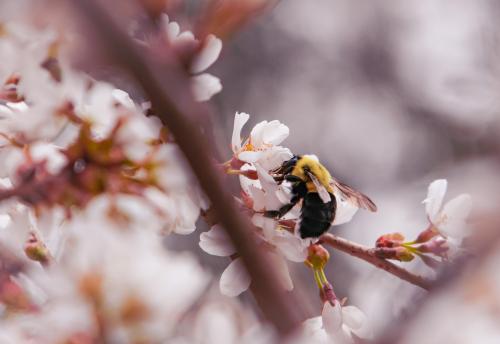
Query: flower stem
[[369, 255]]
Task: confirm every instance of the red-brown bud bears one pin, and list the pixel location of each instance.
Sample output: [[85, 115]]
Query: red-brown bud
[[390, 240], [317, 256], [36, 250], [427, 234]]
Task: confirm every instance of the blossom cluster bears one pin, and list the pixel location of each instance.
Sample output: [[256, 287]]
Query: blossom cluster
[[253, 161], [92, 181], [443, 238]]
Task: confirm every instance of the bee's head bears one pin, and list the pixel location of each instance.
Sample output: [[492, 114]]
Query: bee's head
[[309, 164]]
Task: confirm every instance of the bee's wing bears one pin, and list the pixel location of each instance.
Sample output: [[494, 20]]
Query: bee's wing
[[354, 196], [323, 193]]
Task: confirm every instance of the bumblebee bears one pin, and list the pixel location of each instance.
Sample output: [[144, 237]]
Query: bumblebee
[[312, 184]]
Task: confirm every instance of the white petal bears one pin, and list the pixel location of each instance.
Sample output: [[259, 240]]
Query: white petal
[[274, 156], [357, 322], [256, 134], [216, 242], [291, 246], [267, 224], [434, 200], [56, 160], [240, 119], [345, 211], [352, 316], [332, 318], [454, 215], [210, 321], [235, 279], [172, 30], [208, 54], [258, 198], [185, 38], [249, 156], [123, 98], [204, 86], [458, 208], [269, 133], [270, 187], [246, 182], [275, 133]]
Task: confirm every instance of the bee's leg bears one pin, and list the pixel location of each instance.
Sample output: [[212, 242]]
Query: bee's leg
[[293, 179], [273, 214], [276, 214], [279, 178]]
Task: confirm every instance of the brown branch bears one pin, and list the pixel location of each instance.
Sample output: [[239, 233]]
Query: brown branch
[[369, 255], [168, 88]]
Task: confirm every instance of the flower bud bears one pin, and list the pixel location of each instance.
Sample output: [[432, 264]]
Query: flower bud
[[427, 234], [317, 256], [390, 240], [403, 254], [36, 250], [437, 246]]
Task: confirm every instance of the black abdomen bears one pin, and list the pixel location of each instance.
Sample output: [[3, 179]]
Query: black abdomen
[[316, 216]]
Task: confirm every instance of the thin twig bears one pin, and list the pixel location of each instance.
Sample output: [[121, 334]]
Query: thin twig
[[168, 88], [369, 255]]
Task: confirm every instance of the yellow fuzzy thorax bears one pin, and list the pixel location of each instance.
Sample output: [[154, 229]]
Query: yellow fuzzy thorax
[[310, 163]]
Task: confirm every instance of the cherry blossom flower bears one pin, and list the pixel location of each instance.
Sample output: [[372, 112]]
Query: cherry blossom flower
[[448, 219], [337, 324], [262, 146]]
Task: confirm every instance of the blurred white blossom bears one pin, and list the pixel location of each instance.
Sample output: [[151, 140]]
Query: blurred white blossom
[[204, 85]]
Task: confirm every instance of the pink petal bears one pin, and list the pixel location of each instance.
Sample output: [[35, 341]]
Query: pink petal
[[434, 200], [454, 215], [249, 156], [240, 119], [208, 55], [345, 211], [235, 279], [332, 318], [216, 242], [275, 132], [204, 86]]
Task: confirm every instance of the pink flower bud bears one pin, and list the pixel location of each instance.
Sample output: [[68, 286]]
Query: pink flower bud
[[36, 250], [437, 246], [317, 256], [427, 234], [390, 240]]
